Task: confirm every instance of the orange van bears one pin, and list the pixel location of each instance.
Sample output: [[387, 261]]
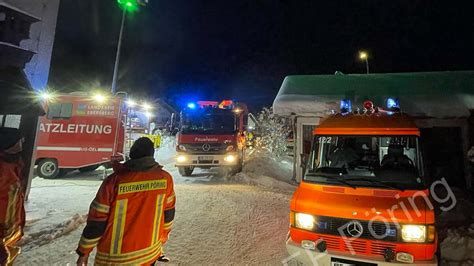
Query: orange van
[[363, 199]]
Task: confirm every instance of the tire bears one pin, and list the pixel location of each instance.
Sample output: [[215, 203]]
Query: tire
[[238, 168], [226, 171], [240, 164], [48, 168], [186, 170], [89, 168]]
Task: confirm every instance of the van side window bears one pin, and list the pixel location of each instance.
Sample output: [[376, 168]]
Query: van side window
[[60, 111]]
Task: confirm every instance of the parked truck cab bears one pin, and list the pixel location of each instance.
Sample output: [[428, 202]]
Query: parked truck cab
[[211, 134], [364, 199]]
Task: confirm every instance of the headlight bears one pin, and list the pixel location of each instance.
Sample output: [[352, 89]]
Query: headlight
[[304, 221], [181, 159], [229, 158], [181, 148], [413, 233], [230, 148]]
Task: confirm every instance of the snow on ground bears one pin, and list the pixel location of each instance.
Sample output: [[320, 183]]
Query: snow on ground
[[456, 231], [218, 221], [56, 207], [458, 246]]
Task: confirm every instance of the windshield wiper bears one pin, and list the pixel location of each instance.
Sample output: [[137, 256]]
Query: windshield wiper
[[336, 178], [373, 181]]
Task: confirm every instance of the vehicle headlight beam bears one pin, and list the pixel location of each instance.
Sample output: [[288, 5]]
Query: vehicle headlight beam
[[304, 221], [414, 233]]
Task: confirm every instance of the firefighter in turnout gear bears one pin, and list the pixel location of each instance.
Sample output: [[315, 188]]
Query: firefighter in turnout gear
[[132, 213], [12, 211]]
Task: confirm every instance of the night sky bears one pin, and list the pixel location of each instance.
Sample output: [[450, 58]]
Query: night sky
[[184, 50]]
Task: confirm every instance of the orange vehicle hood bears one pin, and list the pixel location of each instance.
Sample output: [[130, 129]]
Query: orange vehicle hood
[[363, 203]]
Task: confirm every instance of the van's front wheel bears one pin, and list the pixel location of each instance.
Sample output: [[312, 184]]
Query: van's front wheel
[[48, 168]]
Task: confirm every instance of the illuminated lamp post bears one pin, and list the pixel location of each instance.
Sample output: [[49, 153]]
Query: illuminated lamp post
[[126, 6], [364, 56]]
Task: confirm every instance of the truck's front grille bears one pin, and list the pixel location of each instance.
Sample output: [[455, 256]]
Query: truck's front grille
[[210, 148], [373, 230], [358, 246]]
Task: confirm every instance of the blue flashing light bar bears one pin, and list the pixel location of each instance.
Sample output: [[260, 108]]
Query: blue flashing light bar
[[191, 105], [393, 104], [346, 106]]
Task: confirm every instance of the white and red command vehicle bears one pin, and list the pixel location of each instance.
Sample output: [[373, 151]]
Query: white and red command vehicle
[[79, 132], [211, 134]]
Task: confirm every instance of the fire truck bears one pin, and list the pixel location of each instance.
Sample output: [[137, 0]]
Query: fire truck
[[211, 134], [79, 131], [363, 198]]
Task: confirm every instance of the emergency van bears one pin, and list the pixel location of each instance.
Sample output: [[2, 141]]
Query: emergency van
[[211, 134], [363, 198], [79, 131]]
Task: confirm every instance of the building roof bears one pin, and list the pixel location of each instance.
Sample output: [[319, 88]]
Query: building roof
[[13, 55], [421, 94], [17, 95]]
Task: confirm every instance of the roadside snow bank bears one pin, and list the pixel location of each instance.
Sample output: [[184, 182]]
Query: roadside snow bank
[[263, 169], [36, 239], [458, 247], [456, 231]]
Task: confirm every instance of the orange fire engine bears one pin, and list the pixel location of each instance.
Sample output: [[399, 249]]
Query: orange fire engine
[[364, 199], [79, 132]]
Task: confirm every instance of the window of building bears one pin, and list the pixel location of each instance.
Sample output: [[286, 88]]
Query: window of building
[[60, 111]]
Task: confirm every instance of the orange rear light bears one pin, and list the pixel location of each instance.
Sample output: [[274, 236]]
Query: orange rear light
[[292, 218]]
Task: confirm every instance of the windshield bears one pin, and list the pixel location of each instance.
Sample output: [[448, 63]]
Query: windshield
[[208, 123], [366, 161]]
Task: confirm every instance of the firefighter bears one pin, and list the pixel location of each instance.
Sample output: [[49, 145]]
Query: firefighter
[[12, 211], [132, 213]]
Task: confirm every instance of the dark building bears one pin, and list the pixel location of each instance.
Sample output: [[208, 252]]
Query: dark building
[[19, 106]]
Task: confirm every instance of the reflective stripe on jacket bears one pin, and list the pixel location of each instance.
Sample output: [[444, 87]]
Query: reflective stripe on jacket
[[12, 211], [130, 218]]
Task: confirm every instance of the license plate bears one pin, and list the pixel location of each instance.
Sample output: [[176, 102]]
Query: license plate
[[342, 262], [334, 263], [205, 158]]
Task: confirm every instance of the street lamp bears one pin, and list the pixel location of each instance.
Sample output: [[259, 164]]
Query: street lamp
[[363, 56], [127, 6]]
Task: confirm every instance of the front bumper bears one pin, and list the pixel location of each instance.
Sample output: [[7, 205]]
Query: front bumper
[[207, 160], [313, 257]]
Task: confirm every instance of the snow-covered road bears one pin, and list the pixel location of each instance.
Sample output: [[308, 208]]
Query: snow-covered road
[[217, 222]]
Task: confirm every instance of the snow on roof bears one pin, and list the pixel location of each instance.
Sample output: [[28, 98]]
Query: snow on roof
[[7, 5], [423, 94]]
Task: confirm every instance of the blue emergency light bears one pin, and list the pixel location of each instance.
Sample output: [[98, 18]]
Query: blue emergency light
[[393, 104], [191, 105], [346, 106]]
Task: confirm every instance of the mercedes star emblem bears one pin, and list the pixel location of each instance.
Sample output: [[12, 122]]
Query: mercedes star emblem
[[206, 147], [354, 229]]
